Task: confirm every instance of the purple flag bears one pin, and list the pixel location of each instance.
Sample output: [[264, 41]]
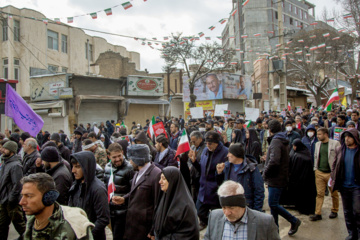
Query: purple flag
[[21, 112]]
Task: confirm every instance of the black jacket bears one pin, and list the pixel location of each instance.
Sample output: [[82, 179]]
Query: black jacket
[[91, 196], [63, 180], [64, 152], [10, 174], [123, 176], [276, 169], [29, 166], [168, 160]]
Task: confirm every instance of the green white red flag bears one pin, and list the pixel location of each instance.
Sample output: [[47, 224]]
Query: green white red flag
[[247, 124], [111, 186], [108, 11], [93, 15], [334, 97], [244, 2], [184, 145], [70, 19], [126, 5], [150, 130]]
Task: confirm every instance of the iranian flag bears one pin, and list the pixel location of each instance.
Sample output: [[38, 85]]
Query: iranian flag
[[212, 28], [247, 124], [111, 186], [150, 130], [233, 12], [70, 19], [244, 2], [257, 34], [326, 34], [93, 15], [349, 15], [222, 21], [201, 34], [126, 5], [108, 11], [334, 97], [184, 145], [289, 106]]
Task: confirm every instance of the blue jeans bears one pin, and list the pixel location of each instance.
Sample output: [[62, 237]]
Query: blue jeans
[[276, 209], [351, 204]]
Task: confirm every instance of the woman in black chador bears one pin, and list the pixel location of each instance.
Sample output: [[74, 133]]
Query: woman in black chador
[[252, 144], [301, 190], [175, 213]]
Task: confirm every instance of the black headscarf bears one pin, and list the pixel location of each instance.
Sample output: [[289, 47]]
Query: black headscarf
[[238, 136], [299, 145], [252, 144], [45, 138], [175, 213]]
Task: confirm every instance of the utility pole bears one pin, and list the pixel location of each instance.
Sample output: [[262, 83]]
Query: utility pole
[[282, 74]]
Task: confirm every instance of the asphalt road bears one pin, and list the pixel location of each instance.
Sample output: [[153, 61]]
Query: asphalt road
[[325, 229]]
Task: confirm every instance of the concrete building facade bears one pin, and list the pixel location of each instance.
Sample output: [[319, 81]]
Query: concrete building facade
[[260, 18], [30, 47]]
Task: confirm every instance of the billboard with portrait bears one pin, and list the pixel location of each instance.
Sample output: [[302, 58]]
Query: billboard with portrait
[[219, 86]]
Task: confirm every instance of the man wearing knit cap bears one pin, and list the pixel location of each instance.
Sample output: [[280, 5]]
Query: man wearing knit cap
[[242, 168], [143, 194], [10, 175], [64, 151], [31, 154], [54, 166], [235, 220]]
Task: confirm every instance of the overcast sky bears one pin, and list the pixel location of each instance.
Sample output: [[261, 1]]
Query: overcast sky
[[153, 18]]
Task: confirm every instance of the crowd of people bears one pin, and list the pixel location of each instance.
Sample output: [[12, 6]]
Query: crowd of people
[[134, 183]]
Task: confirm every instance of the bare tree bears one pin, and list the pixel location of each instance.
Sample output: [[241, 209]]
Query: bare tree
[[196, 60], [316, 54]]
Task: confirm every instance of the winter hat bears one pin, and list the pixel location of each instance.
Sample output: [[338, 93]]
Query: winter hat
[[24, 136], [350, 123], [139, 154], [11, 146], [55, 137], [50, 154], [237, 150]]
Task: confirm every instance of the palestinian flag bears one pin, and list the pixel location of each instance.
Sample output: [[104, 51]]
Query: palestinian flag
[[108, 11], [222, 21], [244, 2], [233, 12], [70, 19], [247, 124], [326, 34], [349, 15], [111, 186], [150, 130], [184, 145], [93, 15], [201, 34], [212, 28], [334, 97], [289, 106], [126, 5]]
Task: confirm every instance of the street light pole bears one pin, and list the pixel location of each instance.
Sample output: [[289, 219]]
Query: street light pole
[[282, 75]]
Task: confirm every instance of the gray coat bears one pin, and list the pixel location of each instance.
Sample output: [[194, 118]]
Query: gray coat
[[261, 226]]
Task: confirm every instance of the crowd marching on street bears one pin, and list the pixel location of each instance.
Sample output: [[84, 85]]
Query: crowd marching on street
[[209, 173]]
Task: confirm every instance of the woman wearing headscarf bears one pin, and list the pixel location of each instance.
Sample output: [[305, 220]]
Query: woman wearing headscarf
[[252, 144], [45, 138], [236, 136], [301, 191], [175, 213]]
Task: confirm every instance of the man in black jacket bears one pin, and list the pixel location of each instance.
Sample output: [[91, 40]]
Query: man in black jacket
[[355, 118], [123, 174], [64, 151], [30, 156], [77, 141], [89, 193], [55, 167], [165, 156], [276, 173], [10, 188]]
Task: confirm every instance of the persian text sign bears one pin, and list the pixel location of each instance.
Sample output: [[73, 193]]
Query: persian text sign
[[22, 113], [159, 129], [145, 86]]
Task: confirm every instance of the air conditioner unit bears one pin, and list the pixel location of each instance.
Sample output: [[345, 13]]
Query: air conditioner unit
[[57, 114], [41, 111]]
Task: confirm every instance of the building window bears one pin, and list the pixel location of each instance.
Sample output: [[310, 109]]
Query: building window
[[16, 69], [53, 40], [89, 51], [6, 68], [290, 7], [63, 43], [301, 14], [296, 10], [16, 30], [5, 29], [291, 21], [305, 15], [64, 69], [296, 23], [276, 15], [283, 18], [53, 69]]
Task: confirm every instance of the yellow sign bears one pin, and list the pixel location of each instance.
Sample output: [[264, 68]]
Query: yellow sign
[[206, 105]]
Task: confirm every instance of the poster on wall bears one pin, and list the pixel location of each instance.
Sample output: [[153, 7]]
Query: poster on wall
[[145, 86], [219, 86]]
